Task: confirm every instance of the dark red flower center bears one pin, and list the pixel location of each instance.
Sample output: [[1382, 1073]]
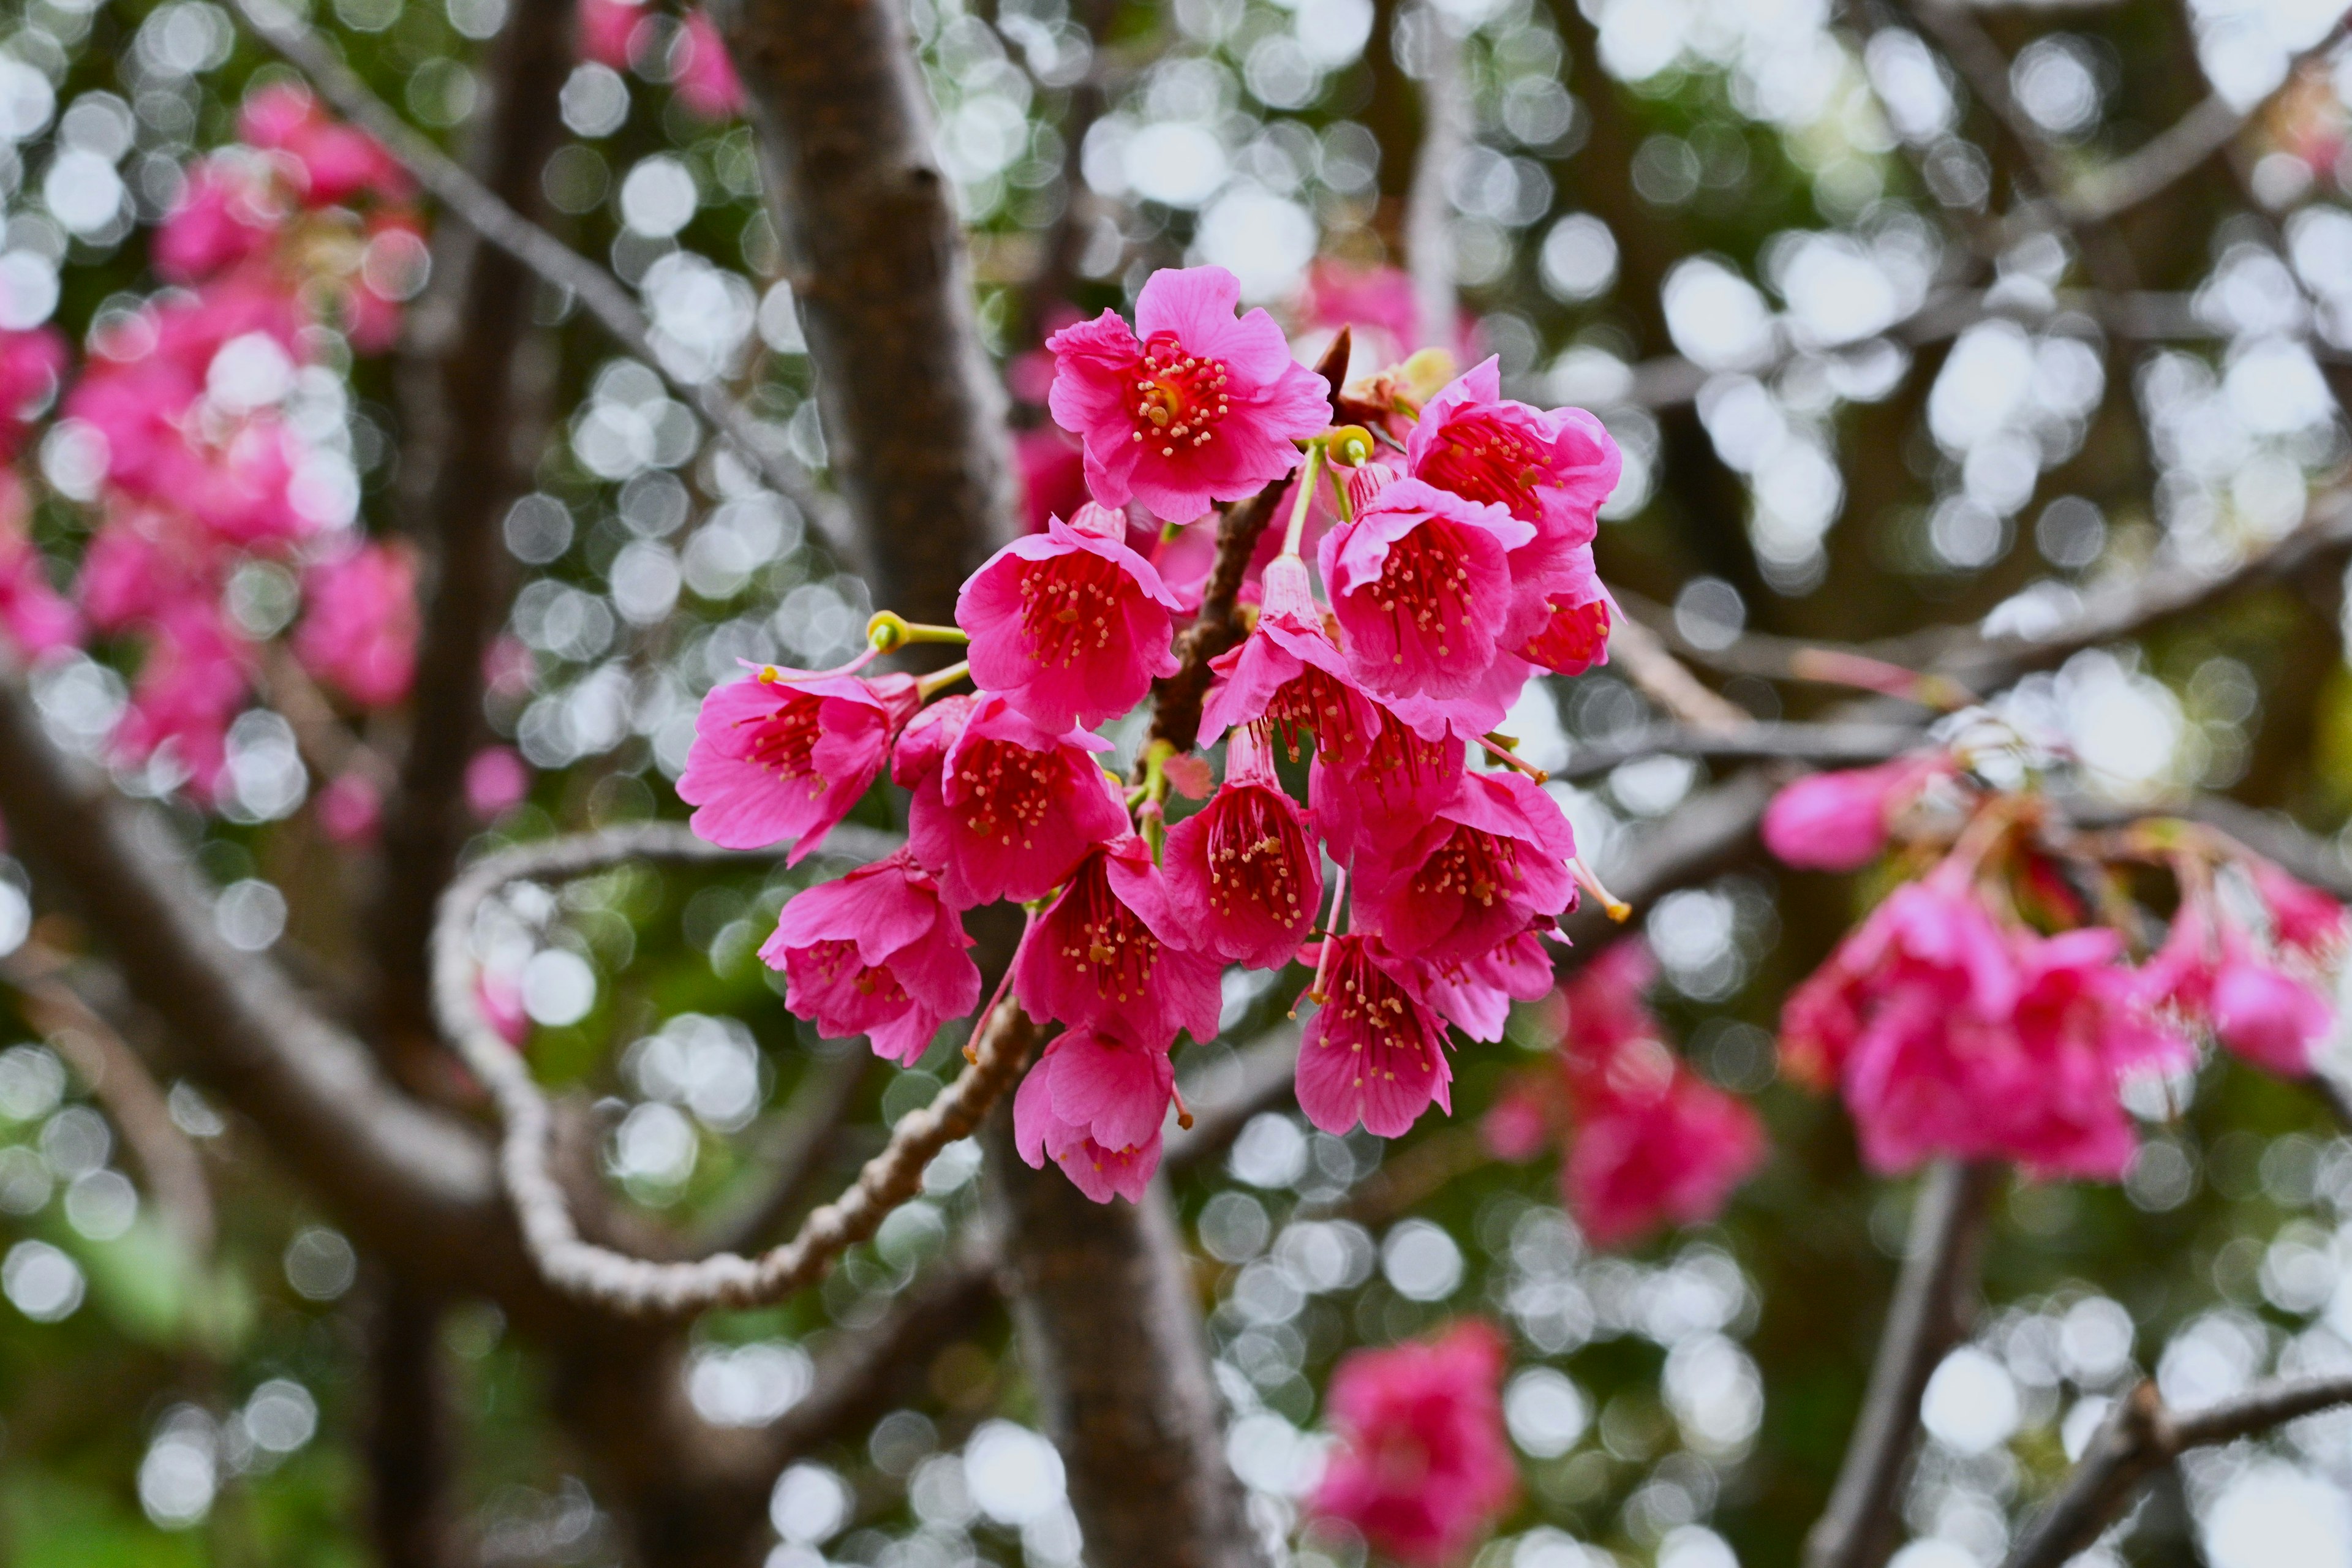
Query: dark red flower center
[[1401, 760], [784, 741], [1471, 865], [1102, 938], [1483, 459], [1257, 855], [1315, 702], [1070, 606], [1008, 789], [1179, 398], [832, 961], [1424, 584]]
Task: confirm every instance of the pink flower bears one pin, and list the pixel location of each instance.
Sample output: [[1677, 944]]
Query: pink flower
[[1002, 809], [500, 999], [337, 161], [706, 82], [35, 617], [875, 954], [1838, 821], [225, 214], [1109, 954], [360, 627], [1379, 298], [1424, 1469], [1669, 1153], [191, 684], [1374, 1051], [1606, 1000], [1572, 617], [1071, 625], [1421, 586], [2267, 1016], [1053, 472], [351, 809], [783, 756], [605, 29], [1245, 870], [1551, 469], [2305, 919], [1475, 993], [496, 783], [31, 365], [1190, 407], [1290, 673], [1492, 860], [1403, 780], [1095, 1104], [1514, 1128]]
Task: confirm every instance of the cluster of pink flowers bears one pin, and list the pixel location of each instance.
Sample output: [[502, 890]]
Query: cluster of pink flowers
[[302, 227], [1423, 1470], [614, 33], [1955, 1024], [1454, 568], [1648, 1141]]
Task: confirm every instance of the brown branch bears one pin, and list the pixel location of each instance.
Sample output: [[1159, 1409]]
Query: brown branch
[[2142, 1436], [1637, 652], [1820, 745], [1934, 1299], [474, 404], [101, 1060], [481, 210], [408, 1441], [642, 1287]]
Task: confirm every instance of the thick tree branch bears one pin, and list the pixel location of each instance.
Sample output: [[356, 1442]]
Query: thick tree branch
[[497, 221], [474, 415], [2141, 1435], [1933, 1302], [913, 411]]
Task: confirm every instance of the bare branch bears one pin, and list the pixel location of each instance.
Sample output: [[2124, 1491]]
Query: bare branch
[[1662, 677], [1933, 1300], [640, 1286], [1446, 132], [1822, 745], [481, 210], [99, 1056], [2141, 1435]]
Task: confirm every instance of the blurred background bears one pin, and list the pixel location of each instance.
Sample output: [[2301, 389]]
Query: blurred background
[[1891, 338]]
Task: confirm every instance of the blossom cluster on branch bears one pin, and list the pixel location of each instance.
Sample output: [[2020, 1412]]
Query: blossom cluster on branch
[[1451, 536]]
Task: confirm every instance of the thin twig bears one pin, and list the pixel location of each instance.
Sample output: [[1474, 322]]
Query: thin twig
[[1823, 745], [481, 210], [1636, 650], [1932, 1301], [2141, 1435], [636, 1285]]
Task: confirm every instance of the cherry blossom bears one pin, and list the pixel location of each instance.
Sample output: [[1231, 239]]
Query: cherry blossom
[[783, 755], [1001, 808], [875, 954]]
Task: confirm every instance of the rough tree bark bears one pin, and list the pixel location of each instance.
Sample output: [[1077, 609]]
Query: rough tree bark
[[914, 419], [474, 416]]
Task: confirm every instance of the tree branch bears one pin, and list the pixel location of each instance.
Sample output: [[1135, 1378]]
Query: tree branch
[[497, 221], [1429, 207], [1933, 1302], [1822, 745], [640, 1286], [2142, 1436]]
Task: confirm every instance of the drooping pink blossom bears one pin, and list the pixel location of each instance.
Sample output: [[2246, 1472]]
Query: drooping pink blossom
[[1838, 821], [1002, 809], [1245, 870], [336, 161], [1475, 993], [875, 954], [1094, 1105], [1403, 779], [1654, 1144], [32, 364], [2266, 1015], [783, 755], [2305, 920], [227, 213], [1071, 625], [1290, 673], [360, 624], [1424, 1469], [1111, 954], [1052, 467], [497, 781], [1491, 861], [1572, 615], [37, 618], [1190, 406], [191, 683], [1551, 469], [1420, 583], [1374, 1052], [706, 82]]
